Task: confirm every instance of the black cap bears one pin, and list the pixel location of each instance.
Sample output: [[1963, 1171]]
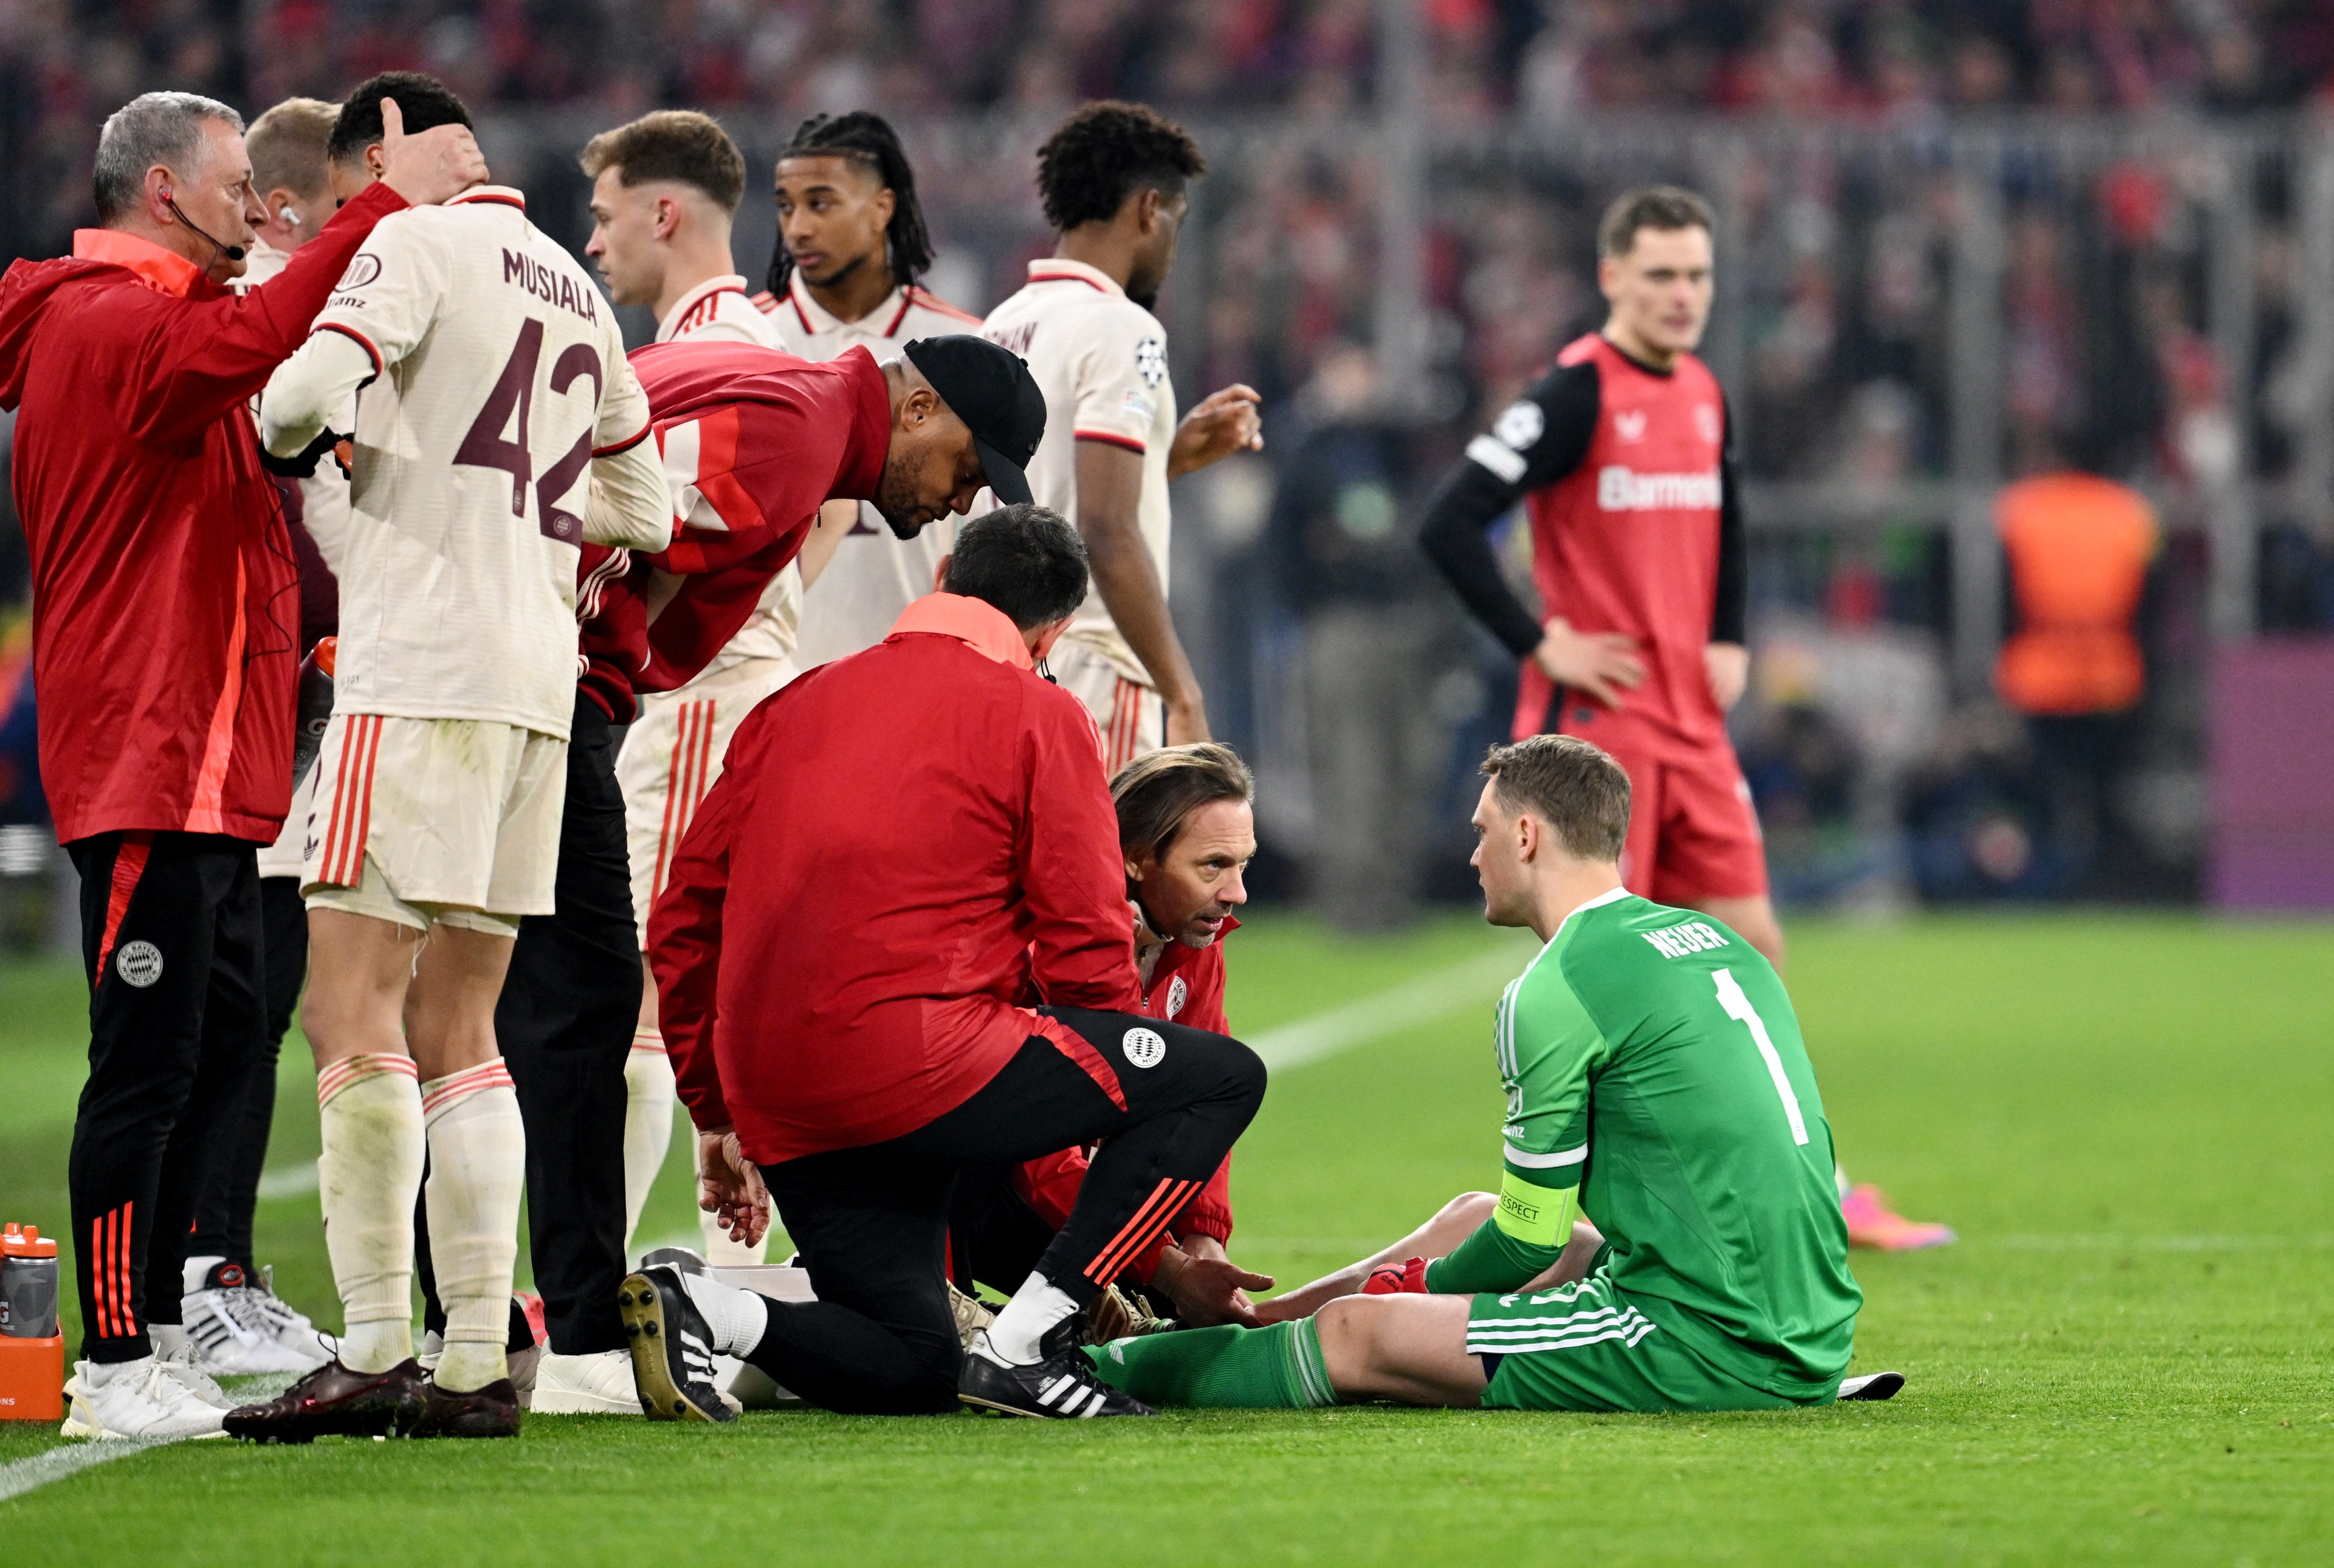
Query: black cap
[[992, 392]]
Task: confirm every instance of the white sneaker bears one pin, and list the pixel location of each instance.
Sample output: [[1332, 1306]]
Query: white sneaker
[[294, 1336], [523, 1367], [183, 1366], [228, 1331], [138, 1400], [590, 1385], [432, 1351]]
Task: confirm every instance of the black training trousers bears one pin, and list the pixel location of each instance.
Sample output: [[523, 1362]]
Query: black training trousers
[[239, 1155], [1167, 1102], [565, 1023], [170, 940]]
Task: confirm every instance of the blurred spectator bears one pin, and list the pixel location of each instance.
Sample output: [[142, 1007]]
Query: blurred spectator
[[1348, 563]]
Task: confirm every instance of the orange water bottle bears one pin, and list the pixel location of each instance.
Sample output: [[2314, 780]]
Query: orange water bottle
[[32, 1351]]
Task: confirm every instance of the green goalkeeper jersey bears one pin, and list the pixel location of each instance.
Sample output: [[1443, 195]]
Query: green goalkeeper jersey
[[1653, 1062]]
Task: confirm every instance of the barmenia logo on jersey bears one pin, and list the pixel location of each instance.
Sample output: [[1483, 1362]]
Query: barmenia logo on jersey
[[1620, 489]]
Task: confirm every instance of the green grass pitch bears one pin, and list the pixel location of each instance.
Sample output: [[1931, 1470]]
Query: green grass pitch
[[2126, 1358]]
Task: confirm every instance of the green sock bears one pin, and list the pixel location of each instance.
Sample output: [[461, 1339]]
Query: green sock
[[1279, 1368]]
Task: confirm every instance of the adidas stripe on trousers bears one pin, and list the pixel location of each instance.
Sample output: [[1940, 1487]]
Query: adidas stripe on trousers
[[1165, 1102]]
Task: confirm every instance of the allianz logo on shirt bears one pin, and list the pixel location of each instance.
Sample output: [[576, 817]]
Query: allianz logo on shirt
[[1620, 489]]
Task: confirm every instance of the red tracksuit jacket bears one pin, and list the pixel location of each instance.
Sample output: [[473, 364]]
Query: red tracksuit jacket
[[761, 438], [166, 600], [900, 844]]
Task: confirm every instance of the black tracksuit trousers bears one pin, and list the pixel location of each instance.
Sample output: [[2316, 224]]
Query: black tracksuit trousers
[[170, 940], [239, 1156], [1166, 1103]]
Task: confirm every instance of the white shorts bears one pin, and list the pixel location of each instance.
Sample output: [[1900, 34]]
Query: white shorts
[[1130, 716], [423, 819], [672, 754]]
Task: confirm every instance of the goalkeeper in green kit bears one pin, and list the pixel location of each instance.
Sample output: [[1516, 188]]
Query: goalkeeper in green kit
[[1656, 1080]]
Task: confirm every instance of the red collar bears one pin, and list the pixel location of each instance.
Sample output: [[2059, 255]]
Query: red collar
[[986, 629], [159, 269], [1180, 956]]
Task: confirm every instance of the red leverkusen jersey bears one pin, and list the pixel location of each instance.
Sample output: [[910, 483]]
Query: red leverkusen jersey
[[1628, 475]]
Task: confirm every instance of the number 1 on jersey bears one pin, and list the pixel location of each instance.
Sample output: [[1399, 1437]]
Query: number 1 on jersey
[[1738, 1006]]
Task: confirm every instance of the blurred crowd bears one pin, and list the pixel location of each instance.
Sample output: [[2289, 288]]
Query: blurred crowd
[[1833, 326], [64, 63]]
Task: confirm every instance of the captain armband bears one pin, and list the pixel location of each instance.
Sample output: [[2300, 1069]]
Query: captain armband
[[1536, 1215]]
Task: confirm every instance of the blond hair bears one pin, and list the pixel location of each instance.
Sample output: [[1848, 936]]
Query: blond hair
[[1158, 792]]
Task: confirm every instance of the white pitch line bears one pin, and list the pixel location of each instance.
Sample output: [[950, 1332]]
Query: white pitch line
[[1475, 980], [24, 1474]]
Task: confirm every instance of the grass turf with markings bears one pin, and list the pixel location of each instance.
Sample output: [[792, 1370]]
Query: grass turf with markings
[[2127, 1357]]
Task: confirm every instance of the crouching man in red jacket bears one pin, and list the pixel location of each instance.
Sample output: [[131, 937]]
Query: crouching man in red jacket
[[902, 844]]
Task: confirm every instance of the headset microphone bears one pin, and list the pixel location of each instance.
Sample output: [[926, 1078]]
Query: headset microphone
[[232, 252]]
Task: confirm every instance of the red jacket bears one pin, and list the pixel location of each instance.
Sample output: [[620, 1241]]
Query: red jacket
[[166, 601], [1187, 987], [900, 844]]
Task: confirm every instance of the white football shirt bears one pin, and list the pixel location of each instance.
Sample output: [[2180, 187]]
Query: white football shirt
[[324, 495], [498, 375], [718, 309], [872, 576], [1100, 360]]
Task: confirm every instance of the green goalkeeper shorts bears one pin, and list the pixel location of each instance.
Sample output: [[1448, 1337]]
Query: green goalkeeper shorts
[[1586, 1347]]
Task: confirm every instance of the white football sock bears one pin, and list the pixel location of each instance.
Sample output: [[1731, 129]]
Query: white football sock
[[367, 1178], [168, 1338], [197, 1267], [1035, 1307], [719, 1250], [648, 1122], [478, 1171], [738, 1318]]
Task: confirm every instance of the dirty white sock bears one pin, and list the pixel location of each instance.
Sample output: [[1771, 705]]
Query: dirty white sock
[[197, 1267], [478, 1171], [738, 1318], [1035, 1307], [367, 1179], [648, 1121]]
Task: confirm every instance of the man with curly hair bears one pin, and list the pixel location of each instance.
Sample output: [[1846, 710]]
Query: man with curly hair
[[1114, 181]]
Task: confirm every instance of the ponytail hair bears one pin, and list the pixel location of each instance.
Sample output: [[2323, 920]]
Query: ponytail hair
[[869, 140]]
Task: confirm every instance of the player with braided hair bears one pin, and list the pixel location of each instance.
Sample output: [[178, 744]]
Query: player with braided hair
[[852, 245]]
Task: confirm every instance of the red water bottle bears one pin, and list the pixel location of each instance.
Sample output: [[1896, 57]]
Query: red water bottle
[[32, 1350]]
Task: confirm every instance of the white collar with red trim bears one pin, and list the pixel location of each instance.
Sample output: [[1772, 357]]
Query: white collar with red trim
[[726, 283], [501, 195], [818, 319], [1060, 269]]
